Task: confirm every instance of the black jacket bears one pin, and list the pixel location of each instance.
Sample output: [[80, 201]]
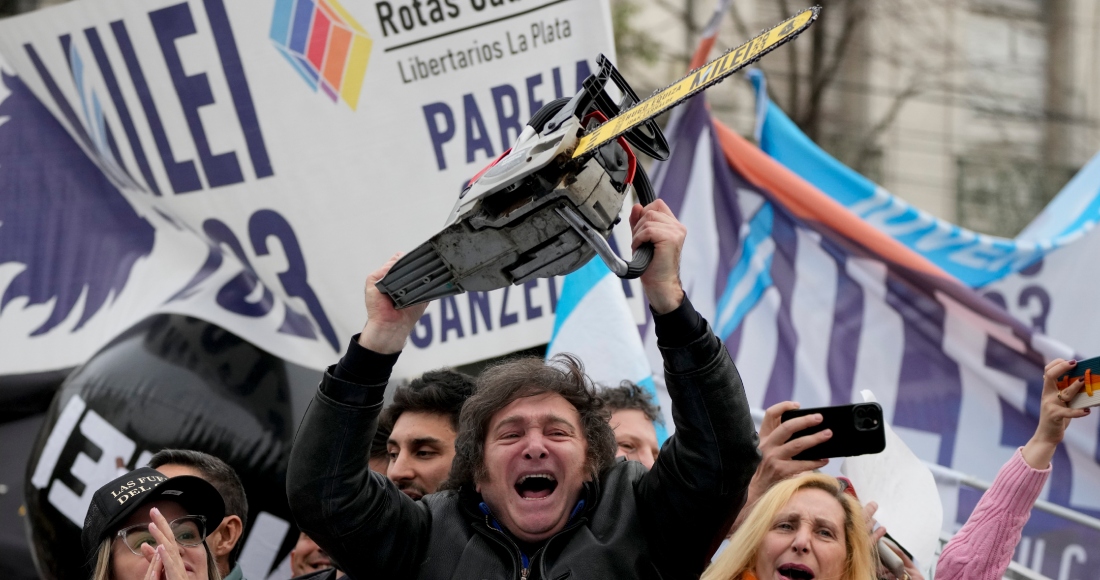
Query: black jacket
[[634, 523]]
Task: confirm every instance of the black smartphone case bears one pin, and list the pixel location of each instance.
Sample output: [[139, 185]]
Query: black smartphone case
[[857, 430]]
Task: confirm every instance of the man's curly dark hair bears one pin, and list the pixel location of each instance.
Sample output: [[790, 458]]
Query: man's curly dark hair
[[441, 391], [629, 395], [499, 385]]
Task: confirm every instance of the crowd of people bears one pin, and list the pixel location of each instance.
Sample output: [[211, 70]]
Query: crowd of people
[[532, 472]]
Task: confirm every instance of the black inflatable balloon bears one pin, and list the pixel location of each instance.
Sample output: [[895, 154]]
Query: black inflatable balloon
[[170, 381], [16, 440]]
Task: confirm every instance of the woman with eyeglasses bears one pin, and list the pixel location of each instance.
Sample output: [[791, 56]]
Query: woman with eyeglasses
[[145, 526]]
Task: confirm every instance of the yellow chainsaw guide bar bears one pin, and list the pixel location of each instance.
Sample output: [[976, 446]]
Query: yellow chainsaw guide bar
[[698, 80]]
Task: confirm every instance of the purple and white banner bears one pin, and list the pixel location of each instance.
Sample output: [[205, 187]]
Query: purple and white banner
[[249, 163], [815, 305], [1041, 276]]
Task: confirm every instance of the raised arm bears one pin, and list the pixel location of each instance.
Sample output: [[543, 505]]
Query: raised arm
[[360, 518], [984, 546], [700, 477]]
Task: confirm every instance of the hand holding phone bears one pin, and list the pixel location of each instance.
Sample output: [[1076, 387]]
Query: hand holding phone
[[857, 430], [778, 449]]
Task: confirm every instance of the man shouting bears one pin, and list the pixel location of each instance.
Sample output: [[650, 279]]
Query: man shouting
[[534, 491]]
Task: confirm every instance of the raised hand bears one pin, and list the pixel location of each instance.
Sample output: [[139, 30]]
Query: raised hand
[[156, 566], [387, 328], [869, 519], [1055, 414], [168, 551], [661, 281], [908, 570], [778, 450], [911, 570]]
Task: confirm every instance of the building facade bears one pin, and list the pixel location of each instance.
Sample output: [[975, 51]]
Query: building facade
[[977, 111]]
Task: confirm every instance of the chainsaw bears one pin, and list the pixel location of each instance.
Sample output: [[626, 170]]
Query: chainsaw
[[546, 206]]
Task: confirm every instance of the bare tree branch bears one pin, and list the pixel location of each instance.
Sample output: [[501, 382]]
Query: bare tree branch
[[685, 15], [739, 23], [823, 76], [870, 138], [793, 98]]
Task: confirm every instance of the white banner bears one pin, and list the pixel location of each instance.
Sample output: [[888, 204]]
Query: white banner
[[249, 163], [1057, 294]]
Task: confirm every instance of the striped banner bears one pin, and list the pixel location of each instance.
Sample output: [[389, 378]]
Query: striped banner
[[975, 258], [816, 304], [1029, 275]]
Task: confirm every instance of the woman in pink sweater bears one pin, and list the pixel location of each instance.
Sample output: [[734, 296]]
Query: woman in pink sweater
[[983, 547]]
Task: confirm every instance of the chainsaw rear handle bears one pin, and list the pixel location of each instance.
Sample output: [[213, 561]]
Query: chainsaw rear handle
[[644, 254]]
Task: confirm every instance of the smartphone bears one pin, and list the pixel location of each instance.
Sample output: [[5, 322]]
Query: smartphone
[[1088, 369], [857, 430]]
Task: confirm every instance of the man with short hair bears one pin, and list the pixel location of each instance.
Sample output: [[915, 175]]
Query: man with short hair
[[632, 417], [534, 491], [424, 422], [224, 542]]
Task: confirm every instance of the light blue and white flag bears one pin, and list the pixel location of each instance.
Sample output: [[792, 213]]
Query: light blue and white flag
[[975, 259], [1040, 276], [814, 305], [594, 322], [1075, 209]]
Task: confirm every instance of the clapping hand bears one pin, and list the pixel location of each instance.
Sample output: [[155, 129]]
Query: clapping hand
[[165, 561]]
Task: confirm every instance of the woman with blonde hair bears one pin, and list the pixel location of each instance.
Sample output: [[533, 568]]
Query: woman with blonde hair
[[803, 528], [146, 526]]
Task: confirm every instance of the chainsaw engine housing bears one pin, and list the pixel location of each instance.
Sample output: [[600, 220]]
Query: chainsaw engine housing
[[509, 235], [536, 212]]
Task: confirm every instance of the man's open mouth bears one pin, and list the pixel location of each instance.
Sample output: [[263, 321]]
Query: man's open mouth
[[796, 572], [536, 485]]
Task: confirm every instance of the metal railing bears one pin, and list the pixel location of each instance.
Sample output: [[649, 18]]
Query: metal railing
[[1017, 571], [950, 475]]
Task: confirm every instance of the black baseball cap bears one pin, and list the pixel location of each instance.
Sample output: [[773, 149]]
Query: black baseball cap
[[115, 501]]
